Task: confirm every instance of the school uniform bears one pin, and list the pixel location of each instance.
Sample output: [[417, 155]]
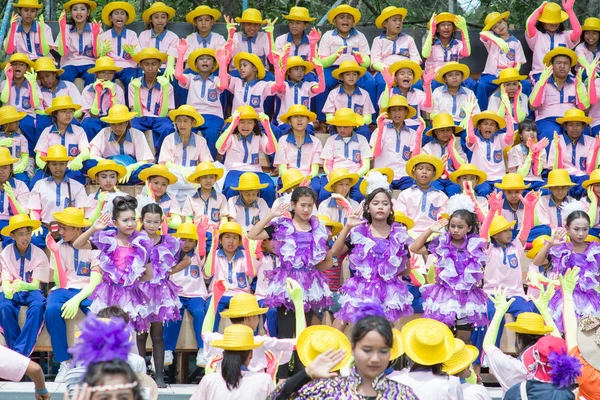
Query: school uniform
[[488, 156], [79, 56], [295, 93], [548, 216], [397, 147], [214, 207], [422, 206], [28, 43], [443, 183], [63, 88], [93, 125], [167, 202], [444, 101], [264, 266], [189, 155], [336, 213], [508, 212], [121, 57], [196, 41], [358, 101], [494, 103], [416, 99], [257, 45], [516, 157], [575, 155], [19, 145], [20, 98], [165, 42], [300, 156], [21, 192], [301, 49], [440, 55], [253, 93], [252, 386], [594, 112], [247, 216], [541, 44]]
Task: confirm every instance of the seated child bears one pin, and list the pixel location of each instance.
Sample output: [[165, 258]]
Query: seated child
[[247, 208], [511, 83], [341, 181], [203, 18], [548, 213], [451, 95], [27, 36], [250, 39], [207, 201], [588, 43], [467, 177], [297, 88], [301, 45], [106, 174], [12, 139], [14, 195], [156, 17], [528, 158], [512, 209], [158, 178], [266, 261]]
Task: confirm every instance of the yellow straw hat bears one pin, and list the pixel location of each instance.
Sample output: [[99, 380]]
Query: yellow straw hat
[[104, 64], [119, 113], [452, 66], [247, 112], [348, 66], [385, 171], [249, 181], [346, 117], [336, 227], [574, 115], [560, 51], [298, 109], [462, 358], [427, 159], [443, 120], [529, 323], [339, 174], [400, 101], [413, 66], [6, 158], [594, 176], [158, 170], [230, 227], [444, 17], [20, 221], [557, 178], [62, 103], [72, 216], [512, 181], [10, 114], [56, 152], [493, 18], [251, 58], [343, 9], [150, 53], [553, 14], [489, 115], [317, 339], [243, 305], [389, 12], [92, 4], [509, 75], [194, 55], [237, 337], [500, 224], [18, 57], [202, 10], [251, 16], [189, 111], [299, 14], [397, 349], [203, 169], [401, 218], [187, 230], [468, 169], [537, 245], [591, 238], [427, 341], [156, 8], [107, 165], [27, 4], [297, 61], [290, 178], [46, 64], [591, 24], [118, 5]]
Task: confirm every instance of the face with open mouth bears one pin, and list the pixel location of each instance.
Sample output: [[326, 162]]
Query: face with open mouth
[[397, 114], [80, 13], [246, 126], [159, 21], [27, 15], [487, 128], [118, 18], [205, 63], [511, 88], [19, 69], [393, 25], [424, 173], [344, 22], [299, 122], [404, 78], [445, 29]]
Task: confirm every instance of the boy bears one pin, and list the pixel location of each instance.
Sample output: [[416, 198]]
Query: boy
[[203, 18], [301, 45], [250, 39], [27, 36], [548, 213], [452, 95], [512, 208], [509, 82], [340, 182], [12, 138], [206, 202], [247, 208], [106, 174], [467, 177]]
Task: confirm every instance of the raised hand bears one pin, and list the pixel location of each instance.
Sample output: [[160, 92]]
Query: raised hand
[[51, 244], [355, 218], [536, 148], [569, 281], [495, 201], [499, 299], [321, 366], [8, 70], [294, 290], [264, 118], [163, 81], [270, 26], [358, 57], [95, 26], [433, 24], [558, 236], [439, 225], [101, 223], [460, 23], [428, 75], [389, 79], [31, 77], [530, 199], [339, 51], [279, 209], [182, 48], [470, 104], [568, 4], [230, 23], [136, 83], [221, 56], [314, 36], [546, 73], [382, 117], [105, 47]]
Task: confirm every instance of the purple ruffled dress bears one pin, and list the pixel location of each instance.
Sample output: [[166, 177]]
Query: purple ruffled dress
[[455, 295], [378, 264], [586, 298], [122, 268], [299, 253]]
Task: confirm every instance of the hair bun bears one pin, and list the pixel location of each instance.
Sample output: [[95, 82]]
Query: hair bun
[[124, 203]]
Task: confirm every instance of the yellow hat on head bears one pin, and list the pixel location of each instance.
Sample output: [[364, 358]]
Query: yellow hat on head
[[247, 112], [243, 305], [438, 165], [203, 169], [560, 51], [230, 227], [188, 111], [574, 115], [156, 8], [56, 152], [537, 245], [6, 158], [336, 227], [512, 181], [20, 221], [202, 10], [157, 170], [397, 349], [443, 120], [92, 4], [468, 169], [400, 101], [72, 216], [346, 117], [251, 58], [237, 337], [413, 66], [477, 118], [462, 358], [27, 4], [385, 171], [594, 176], [343, 9], [251, 16], [317, 339], [500, 224], [18, 57], [104, 64], [553, 14], [249, 181], [62, 103], [401, 218], [150, 53], [299, 14], [452, 66], [298, 110], [118, 5], [348, 66], [591, 24], [46, 64], [493, 18], [297, 61], [339, 174], [290, 178], [427, 341], [388, 12], [444, 17], [10, 114], [194, 55], [509, 75], [187, 230], [107, 165], [118, 113], [557, 178], [529, 323]]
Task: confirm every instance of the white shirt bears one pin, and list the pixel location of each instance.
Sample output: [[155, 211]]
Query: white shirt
[[427, 386], [252, 386], [508, 370]]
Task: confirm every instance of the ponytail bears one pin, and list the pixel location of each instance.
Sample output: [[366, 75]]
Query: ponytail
[[231, 367]]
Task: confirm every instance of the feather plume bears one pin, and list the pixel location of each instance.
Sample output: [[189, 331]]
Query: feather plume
[[376, 180], [459, 202], [370, 309], [565, 369], [571, 207]]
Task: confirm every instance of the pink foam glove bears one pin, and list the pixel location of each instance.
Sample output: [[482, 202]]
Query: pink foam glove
[[202, 227], [387, 77], [258, 253], [313, 38], [249, 265], [358, 57], [495, 201], [433, 25], [559, 150], [377, 148], [8, 71], [62, 35], [272, 363], [53, 247], [341, 200], [219, 289], [419, 137], [11, 46], [428, 76]]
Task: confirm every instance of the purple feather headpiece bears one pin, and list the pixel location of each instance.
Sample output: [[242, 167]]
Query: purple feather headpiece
[[565, 369], [370, 309], [101, 339]]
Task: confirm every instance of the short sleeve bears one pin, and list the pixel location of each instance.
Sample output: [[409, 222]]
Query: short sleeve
[[327, 153], [365, 149], [34, 201], [270, 229]]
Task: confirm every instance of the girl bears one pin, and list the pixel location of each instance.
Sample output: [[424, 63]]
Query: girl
[[207, 201], [340, 182], [549, 212], [13, 139], [156, 35], [587, 49], [510, 82], [106, 174], [202, 18], [247, 208], [14, 195], [158, 178], [29, 36], [528, 157], [378, 255]]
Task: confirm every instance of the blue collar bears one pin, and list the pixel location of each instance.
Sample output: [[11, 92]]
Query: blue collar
[[570, 79], [203, 39], [507, 206], [580, 140], [213, 194], [304, 39], [247, 39], [252, 82], [65, 179], [18, 255], [59, 86], [177, 138], [165, 197], [239, 253], [385, 36], [461, 89], [145, 84], [353, 138], [55, 129], [32, 29], [113, 137], [240, 202], [86, 28], [160, 37], [246, 138], [390, 125], [199, 78], [428, 190], [292, 139], [122, 35], [352, 32], [333, 203], [551, 202], [453, 42], [356, 90]]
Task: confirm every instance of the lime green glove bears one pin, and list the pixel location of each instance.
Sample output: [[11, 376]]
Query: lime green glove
[[502, 305], [8, 292], [130, 169], [130, 49], [170, 69], [70, 308], [296, 294], [102, 196], [31, 77], [6, 142], [21, 286], [137, 105], [43, 42], [523, 170], [38, 160], [11, 194], [164, 85]]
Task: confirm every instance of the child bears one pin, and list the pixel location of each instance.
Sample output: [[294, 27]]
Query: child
[[206, 202], [451, 95], [467, 177], [592, 186], [511, 83], [341, 182], [27, 36], [459, 365], [158, 178], [14, 195], [548, 213], [345, 149], [301, 45], [247, 208], [107, 174], [512, 187], [588, 43], [333, 274], [528, 158], [24, 266], [241, 143], [202, 18], [266, 262], [250, 39], [156, 17], [13, 140]]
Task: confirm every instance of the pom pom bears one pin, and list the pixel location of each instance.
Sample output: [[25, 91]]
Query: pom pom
[[565, 369], [376, 180], [459, 202], [370, 309], [571, 207], [101, 340]]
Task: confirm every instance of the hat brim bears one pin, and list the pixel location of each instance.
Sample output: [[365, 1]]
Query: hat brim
[[199, 119], [311, 116], [92, 4], [411, 331], [234, 231], [194, 55], [531, 253], [113, 68], [551, 185], [337, 11], [404, 220], [50, 110], [342, 121], [386, 15], [211, 171], [515, 78], [19, 5], [560, 51], [589, 182], [13, 118], [481, 176], [240, 20], [563, 17], [221, 344], [425, 159], [519, 328], [584, 119], [489, 115], [500, 17], [354, 178], [9, 161], [457, 129], [149, 172], [146, 15], [471, 353], [232, 314], [502, 228], [141, 56], [33, 224], [184, 236], [291, 184], [308, 66], [303, 346], [28, 62], [509, 187], [453, 67], [192, 15], [413, 66], [338, 72], [56, 159], [119, 5], [590, 28], [118, 168], [302, 18], [411, 112], [69, 222], [336, 227], [253, 59], [119, 119], [258, 187]]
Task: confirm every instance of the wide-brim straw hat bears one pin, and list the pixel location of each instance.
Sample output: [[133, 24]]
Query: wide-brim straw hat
[[468, 169], [247, 112], [18, 57], [512, 181], [489, 115], [317, 339], [298, 110], [337, 175], [104, 64], [243, 305], [537, 244], [500, 224], [591, 24], [91, 4], [6, 158], [553, 14], [529, 323], [58, 153], [188, 111], [20, 221], [194, 55], [427, 341], [72, 216], [557, 178], [249, 181], [560, 51], [443, 120], [251, 16], [230, 227], [400, 101], [335, 227], [299, 14], [344, 9], [237, 337], [574, 115], [594, 178], [251, 58], [118, 5], [158, 170], [46, 64], [437, 163], [10, 114], [348, 66], [150, 53], [291, 178], [118, 113], [187, 230], [452, 66], [463, 357], [27, 4], [385, 171], [410, 64], [297, 61], [388, 12], [493, 18], [346, 117], [509, 75], [158, 7], [402, 218], [205, 168], [107, 165], [202, 10], [62, 103]]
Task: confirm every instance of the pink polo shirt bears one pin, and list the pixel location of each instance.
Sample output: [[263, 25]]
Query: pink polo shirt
[[422, 206], [215, 206], [497, 60], [232, 272], [441, 54], [268, 262], [488, 155], [166, 42], [331, 41], [444, 101], [549, 214], [258, 45], [295, 93], [167, 202], [247, 216], [346, 152], [334, 211], [253, 93], [359, 101], [556, 102], [542, 43], [12, 364], [301, 156], [80, 49], [574, 154], [191, 279], [434, 148], [74, 139], [126, 37], [32, 265], [189, 155], [19, 144], [389, 51], [28, 43], [504, 269], [302, 49], [21, 193], [494, 103], [594, 111], [196, 41], [582, 50], [396, 148], [87, 99], [49, 197], [204, 94], [20, 97], [242, 153], [516, 157], [416, 99], [151, 99], [77, 264], [63, 88], [105, 145], [513, 215]]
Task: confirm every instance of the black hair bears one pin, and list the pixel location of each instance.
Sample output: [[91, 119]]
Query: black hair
[[71, 21], [369, 199], [125, 11], [113, 311], [151, 208], [373, 323], [527, 125], [302, 191], [539, 25], [582, 40], [96, 373], [435, 369], [525, 340], [238, 320], [231, 367], [122, 204], [576, 215], [257, 130], [469, 218]]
